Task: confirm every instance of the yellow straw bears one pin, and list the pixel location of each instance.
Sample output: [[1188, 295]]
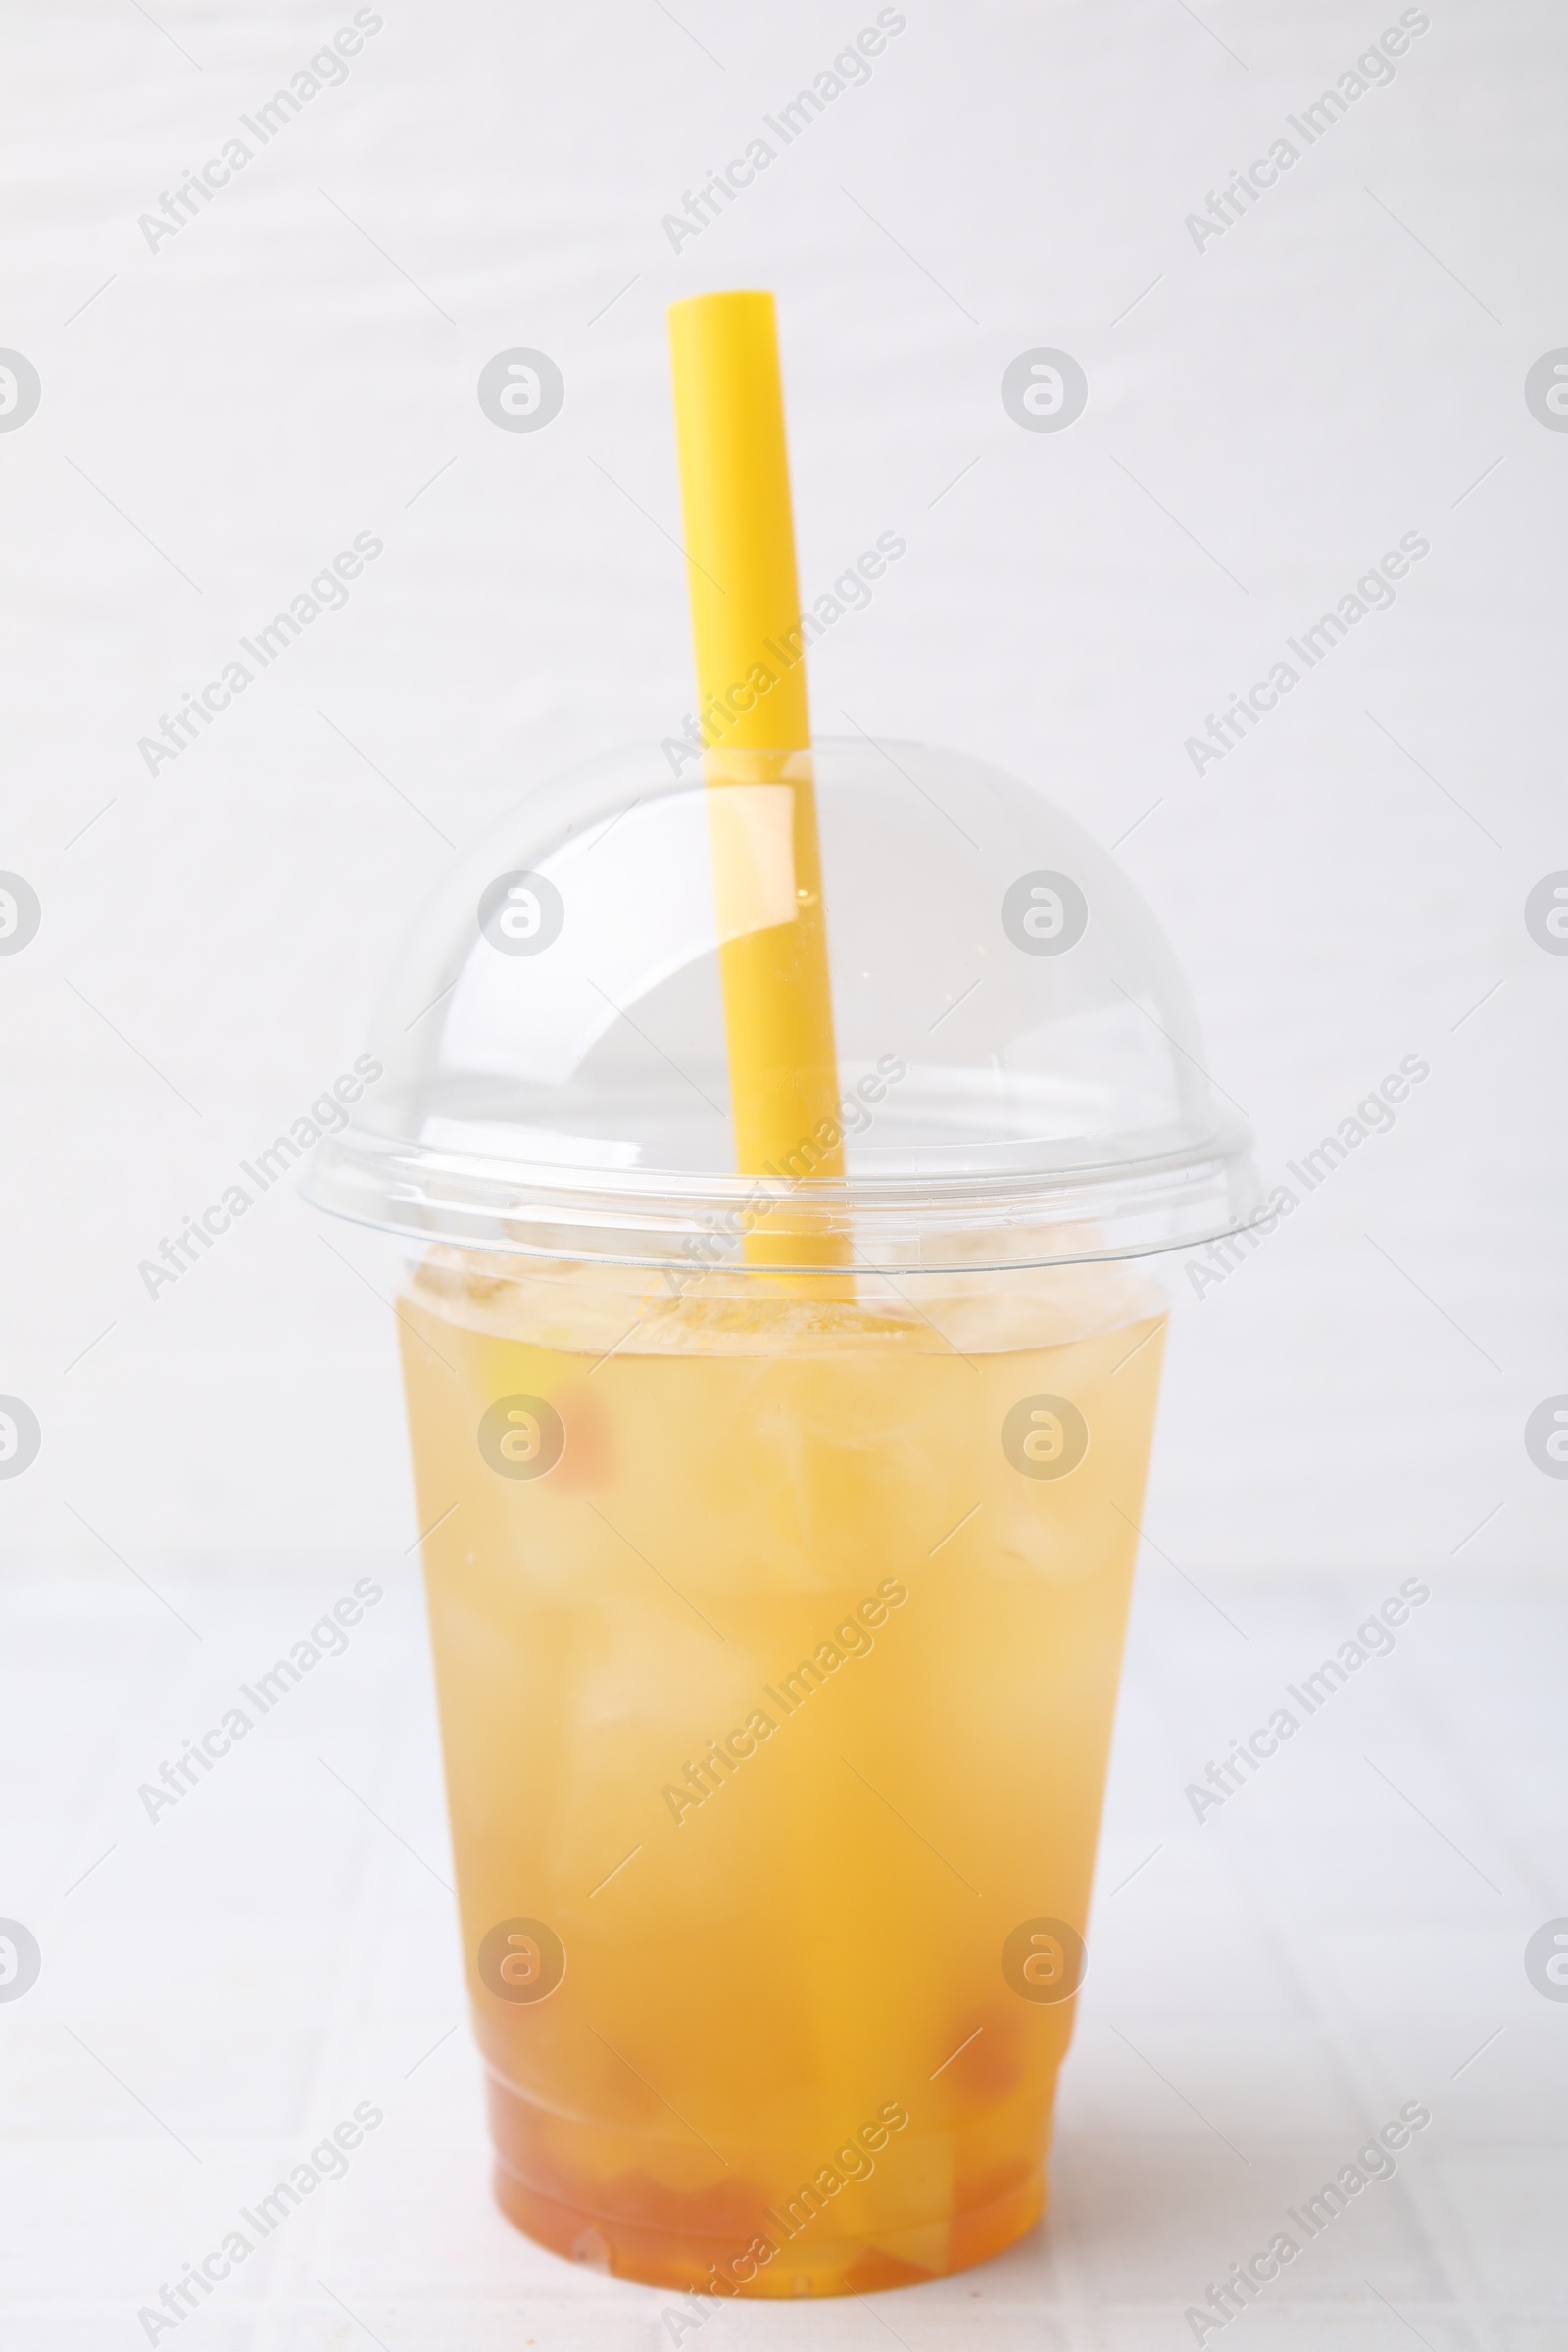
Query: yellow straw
[[751, 678]]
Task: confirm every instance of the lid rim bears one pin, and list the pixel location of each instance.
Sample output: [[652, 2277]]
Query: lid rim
[[1228, 1141], [1136, 1210]]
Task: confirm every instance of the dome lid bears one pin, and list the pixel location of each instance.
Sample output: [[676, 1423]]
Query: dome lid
[[1021, 1072]]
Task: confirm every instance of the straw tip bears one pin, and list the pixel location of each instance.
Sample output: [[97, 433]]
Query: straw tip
[[734, 299]]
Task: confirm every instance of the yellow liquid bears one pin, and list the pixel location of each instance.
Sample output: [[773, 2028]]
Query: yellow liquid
[[793, 1513]]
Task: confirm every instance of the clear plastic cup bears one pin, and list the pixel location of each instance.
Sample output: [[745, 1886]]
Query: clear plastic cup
[[778, 1606]]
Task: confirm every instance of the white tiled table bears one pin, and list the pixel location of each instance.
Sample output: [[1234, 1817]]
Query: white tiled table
[[1344, 1936]]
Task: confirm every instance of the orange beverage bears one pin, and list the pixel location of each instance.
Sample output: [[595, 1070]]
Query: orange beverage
[[777, 1640], [779, 1126]]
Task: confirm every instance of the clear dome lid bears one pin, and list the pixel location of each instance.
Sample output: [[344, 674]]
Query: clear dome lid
[[1021, 1076]]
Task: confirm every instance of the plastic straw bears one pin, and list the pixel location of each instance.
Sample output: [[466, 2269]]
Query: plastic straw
[[750, 676]]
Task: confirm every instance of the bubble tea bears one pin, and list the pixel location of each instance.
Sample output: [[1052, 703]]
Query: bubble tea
[[778, 1654], [781, 1146]]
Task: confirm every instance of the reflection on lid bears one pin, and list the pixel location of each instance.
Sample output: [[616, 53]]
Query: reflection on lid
[[533, 1147], [639, 904]]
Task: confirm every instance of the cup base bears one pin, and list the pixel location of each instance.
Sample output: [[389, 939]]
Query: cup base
[[823, 2266]]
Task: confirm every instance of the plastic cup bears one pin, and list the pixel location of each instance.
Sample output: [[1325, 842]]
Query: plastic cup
[[777, 1609]]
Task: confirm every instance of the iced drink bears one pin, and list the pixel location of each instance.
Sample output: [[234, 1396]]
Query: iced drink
[[775, 1129], [776, 1633]]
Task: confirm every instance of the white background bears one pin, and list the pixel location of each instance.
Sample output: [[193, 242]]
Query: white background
[[1265, 418], [1298, 395]]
